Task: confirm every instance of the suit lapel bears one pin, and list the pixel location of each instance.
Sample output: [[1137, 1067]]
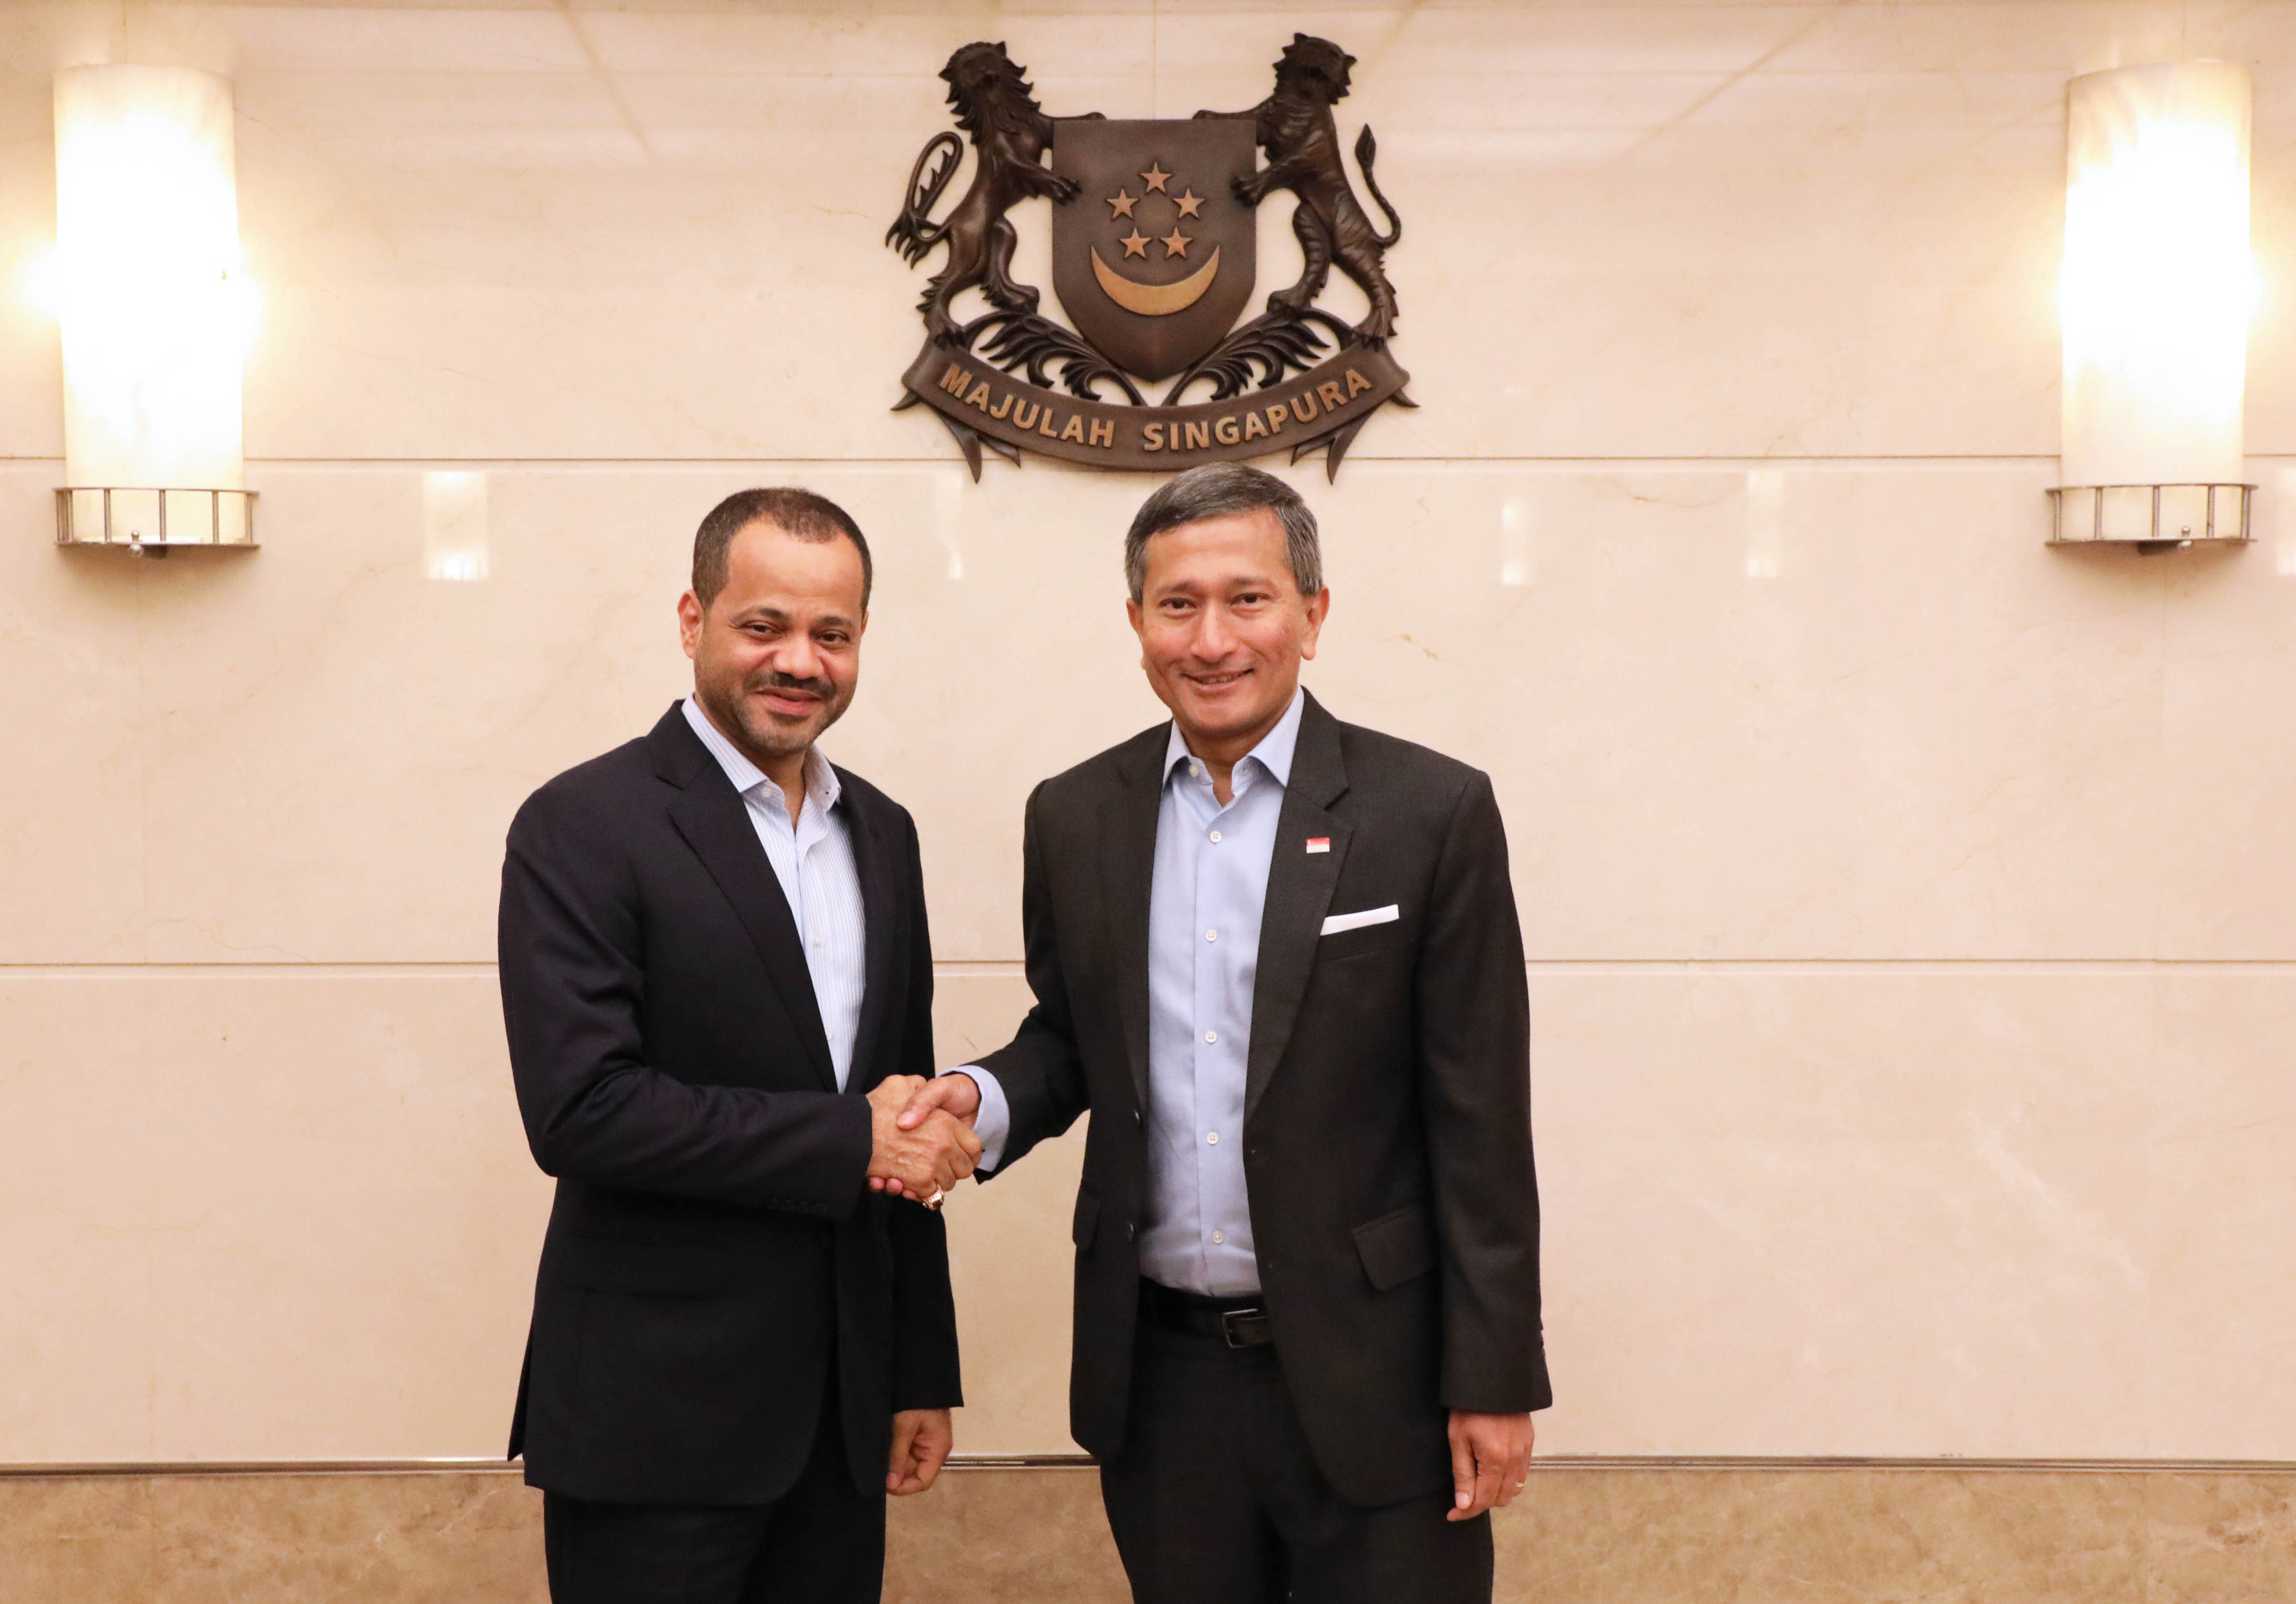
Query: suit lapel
[[712, 816], [873, 861], [1300, 886], [1128, 857]]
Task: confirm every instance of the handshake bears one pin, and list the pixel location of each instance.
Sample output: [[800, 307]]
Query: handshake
[[921, 1136]]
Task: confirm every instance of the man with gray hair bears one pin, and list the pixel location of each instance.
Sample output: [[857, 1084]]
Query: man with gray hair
[[1277, 957]]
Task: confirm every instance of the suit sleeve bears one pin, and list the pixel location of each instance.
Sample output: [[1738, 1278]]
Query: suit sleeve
[[1041, 1073], [925, 1372], [573, 980], [1474, 1038]]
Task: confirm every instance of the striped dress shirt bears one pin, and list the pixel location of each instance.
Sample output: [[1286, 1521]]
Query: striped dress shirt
[[812, 857]]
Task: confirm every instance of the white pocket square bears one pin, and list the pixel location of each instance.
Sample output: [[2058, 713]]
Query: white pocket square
[[1356, 921]]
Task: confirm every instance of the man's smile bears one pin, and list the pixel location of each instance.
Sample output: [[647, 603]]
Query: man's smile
[[789, 701]]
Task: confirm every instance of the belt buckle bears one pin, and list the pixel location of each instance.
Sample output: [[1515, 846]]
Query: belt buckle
[[1228, 1321]]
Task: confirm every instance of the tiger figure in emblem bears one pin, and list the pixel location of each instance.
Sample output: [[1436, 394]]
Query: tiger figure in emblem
[[1011, 134], [1295, 127]]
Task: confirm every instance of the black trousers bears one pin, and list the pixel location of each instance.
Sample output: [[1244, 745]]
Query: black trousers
[[1216, 1498], [821, 1543]]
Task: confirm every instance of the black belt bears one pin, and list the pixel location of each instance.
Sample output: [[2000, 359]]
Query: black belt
[[1241, 1323]]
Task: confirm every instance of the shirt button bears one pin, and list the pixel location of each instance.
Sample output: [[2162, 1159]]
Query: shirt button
[[1211, 935], [1212, 1137], [1220, 1236], [1211, 1036], [1214, 835]]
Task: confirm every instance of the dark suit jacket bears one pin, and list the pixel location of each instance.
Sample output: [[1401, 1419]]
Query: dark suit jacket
[[714, 1245], [1387, 1105]]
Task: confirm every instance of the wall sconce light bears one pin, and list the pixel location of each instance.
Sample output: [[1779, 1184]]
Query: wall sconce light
[[156, 311], [2156, 294]]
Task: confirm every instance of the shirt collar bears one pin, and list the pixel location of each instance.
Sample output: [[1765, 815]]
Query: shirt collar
[[822, 787], [1274, 752]]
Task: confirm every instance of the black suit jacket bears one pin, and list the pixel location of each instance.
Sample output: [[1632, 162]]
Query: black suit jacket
[[714, 1245], [1387, 1104]]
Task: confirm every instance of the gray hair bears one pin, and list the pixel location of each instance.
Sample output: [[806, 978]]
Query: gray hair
[[1220, 490]]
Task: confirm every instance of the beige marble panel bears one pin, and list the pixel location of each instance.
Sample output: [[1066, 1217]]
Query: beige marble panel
[[348, 738], [76, 705], [1003, 1537], [1779, 1534], [1055, 43], [650, 205], [2216, 1538], [2222, 1157], [1779, 713], [2229, 854], [1843, 1210], [1850, 1210], [2082, 36], [1584, 272], [1010, 1257], [1845, 222], [85, 1539], [319, 687], [31, 351], [479, 38], [79, 1336], [346, 1219], [264, 1216], [1763, 1537], [1812, 712], [356, 1538]]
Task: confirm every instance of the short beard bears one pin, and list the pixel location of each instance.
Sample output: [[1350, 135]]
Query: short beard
[[758, 733]]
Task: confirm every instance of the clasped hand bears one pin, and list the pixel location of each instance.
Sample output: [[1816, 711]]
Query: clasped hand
[[920, 1156]]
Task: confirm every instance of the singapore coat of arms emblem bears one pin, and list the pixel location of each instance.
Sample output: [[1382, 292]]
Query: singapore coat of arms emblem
[[1153, 260]]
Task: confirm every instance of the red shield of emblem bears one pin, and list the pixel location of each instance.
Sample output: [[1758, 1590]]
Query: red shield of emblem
[[1153, 260]]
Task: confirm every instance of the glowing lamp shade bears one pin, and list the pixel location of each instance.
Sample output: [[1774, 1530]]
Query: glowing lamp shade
[[156, 311], [2157, 290]]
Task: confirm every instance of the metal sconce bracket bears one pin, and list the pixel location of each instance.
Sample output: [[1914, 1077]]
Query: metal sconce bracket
[[2152, 517], [149, 523]]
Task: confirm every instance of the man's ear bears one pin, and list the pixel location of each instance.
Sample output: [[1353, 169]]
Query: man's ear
[[689, 622], [1319, 608]]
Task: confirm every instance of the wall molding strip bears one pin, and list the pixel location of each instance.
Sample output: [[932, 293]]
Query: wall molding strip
[[1012, 968], [1083, 1461]]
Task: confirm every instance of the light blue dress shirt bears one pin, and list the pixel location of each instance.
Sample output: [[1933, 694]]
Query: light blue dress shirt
[[812, 857], [1203, 956]]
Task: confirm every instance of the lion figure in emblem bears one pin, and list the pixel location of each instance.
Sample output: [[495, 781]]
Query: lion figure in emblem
[[1010, 136], [1295, 127]]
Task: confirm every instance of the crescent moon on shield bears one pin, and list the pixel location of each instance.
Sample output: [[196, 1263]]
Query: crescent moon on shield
[[1155, 300]]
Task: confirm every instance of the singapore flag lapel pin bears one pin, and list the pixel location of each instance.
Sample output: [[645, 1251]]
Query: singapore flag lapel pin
[[1319, 843]]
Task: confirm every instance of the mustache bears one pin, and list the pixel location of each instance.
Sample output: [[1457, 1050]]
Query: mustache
[[775, 680]]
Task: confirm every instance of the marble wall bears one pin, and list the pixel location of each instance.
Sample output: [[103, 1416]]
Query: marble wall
[[1911, 908]]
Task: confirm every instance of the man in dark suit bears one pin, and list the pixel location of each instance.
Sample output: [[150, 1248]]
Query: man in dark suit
[[1277, 958], [718, 986]]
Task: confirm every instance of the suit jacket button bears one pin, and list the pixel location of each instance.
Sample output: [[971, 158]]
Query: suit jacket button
[[1131, 1231]]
